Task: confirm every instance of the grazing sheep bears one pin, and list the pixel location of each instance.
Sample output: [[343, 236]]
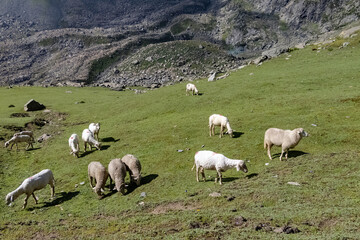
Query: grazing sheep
[[88, 138], [74, 144], [30, 185], [191, 88], [95, 129], [29, 133], [98, 172], [20, 138], [215, 161], [222, 121], [285, 138], [117, 172], [134, 167]]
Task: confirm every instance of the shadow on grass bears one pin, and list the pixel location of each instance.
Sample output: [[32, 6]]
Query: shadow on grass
[[237, 134], [64, 196], [228, 179], [33, 149], [86, 153], [104, 147], [292, 154], [144, 180], [109, 139], [252, 175]]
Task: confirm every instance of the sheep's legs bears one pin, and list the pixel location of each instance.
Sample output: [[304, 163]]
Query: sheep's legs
[[25, 201], [197, 173], [91, 182], [221, 131], [84, 146], [52, 185], [210, 130], [36, 201], [220, 177], [282, 152], [286, 154], [268, 151], [203, 174]]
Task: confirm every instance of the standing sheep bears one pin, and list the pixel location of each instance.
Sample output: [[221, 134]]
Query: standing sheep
[[134, 167], [88, 138], [285, 138], [29, 133], [74, 144], [191, 88], [30, 185], [98, 172], [95, 129], [222, 121], [117, 172], [216, 161], [20, 138]]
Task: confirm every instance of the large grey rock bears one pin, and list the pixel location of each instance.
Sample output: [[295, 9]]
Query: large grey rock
[[33, 105]]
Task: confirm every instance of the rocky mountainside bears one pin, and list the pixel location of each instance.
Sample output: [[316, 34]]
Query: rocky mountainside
[[118, 43]]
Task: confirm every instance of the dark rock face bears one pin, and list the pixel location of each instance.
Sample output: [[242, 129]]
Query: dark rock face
[[119, 43], [33, 105]]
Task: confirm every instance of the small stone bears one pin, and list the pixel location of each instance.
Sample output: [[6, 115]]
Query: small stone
[[294, 183], [180, 150], [215, 194], [230, 198], [143, 194], [266, 164], [82, 183], [141, 203], [33, 105], [11, 106], [202, 146], [76, 185], [314, 125]]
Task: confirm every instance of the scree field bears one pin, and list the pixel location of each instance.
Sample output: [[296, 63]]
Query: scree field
[[318, 90]]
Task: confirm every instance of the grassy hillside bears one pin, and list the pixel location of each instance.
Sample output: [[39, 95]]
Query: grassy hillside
[[316, 90]]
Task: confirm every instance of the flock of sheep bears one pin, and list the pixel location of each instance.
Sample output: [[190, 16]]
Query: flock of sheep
[[118, 168]]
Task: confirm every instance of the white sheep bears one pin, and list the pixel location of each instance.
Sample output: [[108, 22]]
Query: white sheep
[[222, 121], [31, 184], [88, 138], [191, 88], [29, 133], [74, 144], [285, 138], [95, 129], [18, 139], [97, 172], [117, 172], [134, 167], [216, 161]]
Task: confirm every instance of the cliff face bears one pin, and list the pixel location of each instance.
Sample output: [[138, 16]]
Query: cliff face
[[120, 43]]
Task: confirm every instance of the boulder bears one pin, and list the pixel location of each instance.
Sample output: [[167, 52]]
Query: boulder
[[33, 105], [212, 77]]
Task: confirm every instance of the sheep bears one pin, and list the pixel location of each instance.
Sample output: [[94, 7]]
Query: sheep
[[285, 138], [134, 168], [222, 121], [191, 88], [29, 133], [216, 161], [98, 172], [117, 172], [30, 185], [95, 129], [20, 138], [88, 138], [74, 144]]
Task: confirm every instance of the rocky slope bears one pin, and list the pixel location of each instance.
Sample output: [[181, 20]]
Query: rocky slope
[[117, 43]]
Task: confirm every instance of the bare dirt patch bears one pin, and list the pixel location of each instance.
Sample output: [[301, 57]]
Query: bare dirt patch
[[174, 206]]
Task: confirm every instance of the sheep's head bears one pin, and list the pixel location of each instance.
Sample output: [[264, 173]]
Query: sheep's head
[[9, 199], [196, 92], [137, 179], [302, 132], [230, 132], [98, 145], [242, 166]]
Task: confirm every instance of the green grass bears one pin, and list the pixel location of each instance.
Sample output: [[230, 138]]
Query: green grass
[[309, 88]]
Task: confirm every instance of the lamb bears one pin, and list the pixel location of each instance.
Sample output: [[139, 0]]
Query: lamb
[[95, 129], [285, 138], [222, 121], [191, 88], [134, 168], [30, 185], [216, 161], [74, 144], [20, 138], [98, 172], [29, 133], [88, 138], [117, 172]]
